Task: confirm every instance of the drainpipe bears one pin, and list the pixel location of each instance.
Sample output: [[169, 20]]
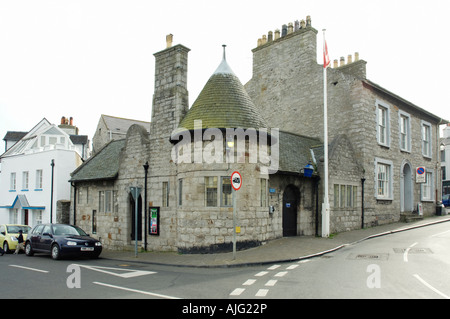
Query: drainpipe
[[74, 203], [362, 202], [316, 190]]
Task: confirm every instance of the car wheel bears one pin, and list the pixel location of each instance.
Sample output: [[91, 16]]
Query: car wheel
[[28, 249], [6, 247], [56, 252]]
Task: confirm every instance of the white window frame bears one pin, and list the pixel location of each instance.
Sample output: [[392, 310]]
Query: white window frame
[[39, 173], [407, 134], [388, 195], [383, 127], [25, 178], [12, 182], [427, 146], [427, 188]]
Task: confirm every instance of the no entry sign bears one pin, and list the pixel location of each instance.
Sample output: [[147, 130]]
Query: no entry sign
[[236, 181]]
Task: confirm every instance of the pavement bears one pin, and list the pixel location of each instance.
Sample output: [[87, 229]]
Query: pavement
[[286, 249]]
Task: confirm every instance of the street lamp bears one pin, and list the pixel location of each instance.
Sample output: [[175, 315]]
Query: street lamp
[[52, 164], [146, 166]]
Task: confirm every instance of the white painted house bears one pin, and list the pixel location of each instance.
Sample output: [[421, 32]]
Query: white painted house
[[30, 186]]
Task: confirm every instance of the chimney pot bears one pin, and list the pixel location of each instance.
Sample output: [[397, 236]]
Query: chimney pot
[[308, 21], [71, 121], [342, 62], [169, 40], [264, 39], [349, 59], [270, 36], [277, 34], [356, 56], [63, 120], [335, 63], [296, 25], [302, 24], [284, 30], [290, 28]]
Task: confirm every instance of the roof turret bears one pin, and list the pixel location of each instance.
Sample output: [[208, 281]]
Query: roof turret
[[223, 103]]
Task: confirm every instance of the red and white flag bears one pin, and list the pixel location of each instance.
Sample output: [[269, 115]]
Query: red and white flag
[[326, 58]]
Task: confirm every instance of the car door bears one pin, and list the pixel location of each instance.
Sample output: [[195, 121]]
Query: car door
[[46, 238], [2, 234], [35, 237]]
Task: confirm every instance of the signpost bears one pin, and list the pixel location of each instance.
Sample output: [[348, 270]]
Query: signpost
[[236, 183], [420, 175], [135, 191]]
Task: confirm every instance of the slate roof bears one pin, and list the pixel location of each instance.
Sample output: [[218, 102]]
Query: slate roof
[[14, 135], [295, 151], [104, 165], [223, 103]]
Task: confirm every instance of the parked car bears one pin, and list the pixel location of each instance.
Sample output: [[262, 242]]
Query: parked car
[[61, 240], [9, 234], [446, 200]]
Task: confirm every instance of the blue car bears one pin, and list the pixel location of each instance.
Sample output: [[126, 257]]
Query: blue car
[[61, 240], [446, 200]]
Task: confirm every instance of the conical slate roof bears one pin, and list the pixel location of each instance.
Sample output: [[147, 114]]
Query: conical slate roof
[[223, 103]]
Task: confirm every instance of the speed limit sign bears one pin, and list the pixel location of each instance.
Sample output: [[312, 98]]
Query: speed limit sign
[[236, 181]]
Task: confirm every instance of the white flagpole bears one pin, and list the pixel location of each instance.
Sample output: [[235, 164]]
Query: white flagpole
[[326, 203]]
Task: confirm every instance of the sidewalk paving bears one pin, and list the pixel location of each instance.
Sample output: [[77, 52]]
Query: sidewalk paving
[[275, 251]]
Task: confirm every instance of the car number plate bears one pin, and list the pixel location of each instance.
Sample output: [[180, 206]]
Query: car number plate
[[87, 248]]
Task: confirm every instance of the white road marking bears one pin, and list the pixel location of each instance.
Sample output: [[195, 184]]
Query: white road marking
[[273, 267], [271, 283], [281, 274], [405, 254], [262, 292], [127, 273], [431, 287], [237, 292], [438, 234], [249, 282], [135, 290], [261, 273], [292, 267], [28, 268]]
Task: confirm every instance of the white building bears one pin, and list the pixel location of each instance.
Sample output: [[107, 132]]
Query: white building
[[30, 186]]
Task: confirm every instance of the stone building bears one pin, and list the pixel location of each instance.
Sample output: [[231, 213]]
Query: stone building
[[270, 130], [389, 136]]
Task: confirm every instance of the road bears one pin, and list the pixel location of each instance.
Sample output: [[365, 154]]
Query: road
[[410, 264]]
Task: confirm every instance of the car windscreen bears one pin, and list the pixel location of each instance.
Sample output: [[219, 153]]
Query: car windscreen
[[14, 229], [67, 230]]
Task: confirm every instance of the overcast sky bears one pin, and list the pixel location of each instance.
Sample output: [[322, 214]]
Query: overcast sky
[[91, 57]]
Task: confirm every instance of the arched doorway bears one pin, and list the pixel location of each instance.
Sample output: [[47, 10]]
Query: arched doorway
[[291, 198], [133, 214], [406, 188]]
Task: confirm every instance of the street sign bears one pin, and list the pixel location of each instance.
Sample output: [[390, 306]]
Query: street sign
[[236, 181], [421, 175]]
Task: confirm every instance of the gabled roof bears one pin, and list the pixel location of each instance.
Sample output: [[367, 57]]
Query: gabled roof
[[104, 165], [121, 125], [223, 103]]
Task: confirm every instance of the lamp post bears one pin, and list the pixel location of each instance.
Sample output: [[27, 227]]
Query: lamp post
[[52, 164], [146, 166]]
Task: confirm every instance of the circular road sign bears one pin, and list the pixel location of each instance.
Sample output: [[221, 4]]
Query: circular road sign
[[421, 170], [236, 181]]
